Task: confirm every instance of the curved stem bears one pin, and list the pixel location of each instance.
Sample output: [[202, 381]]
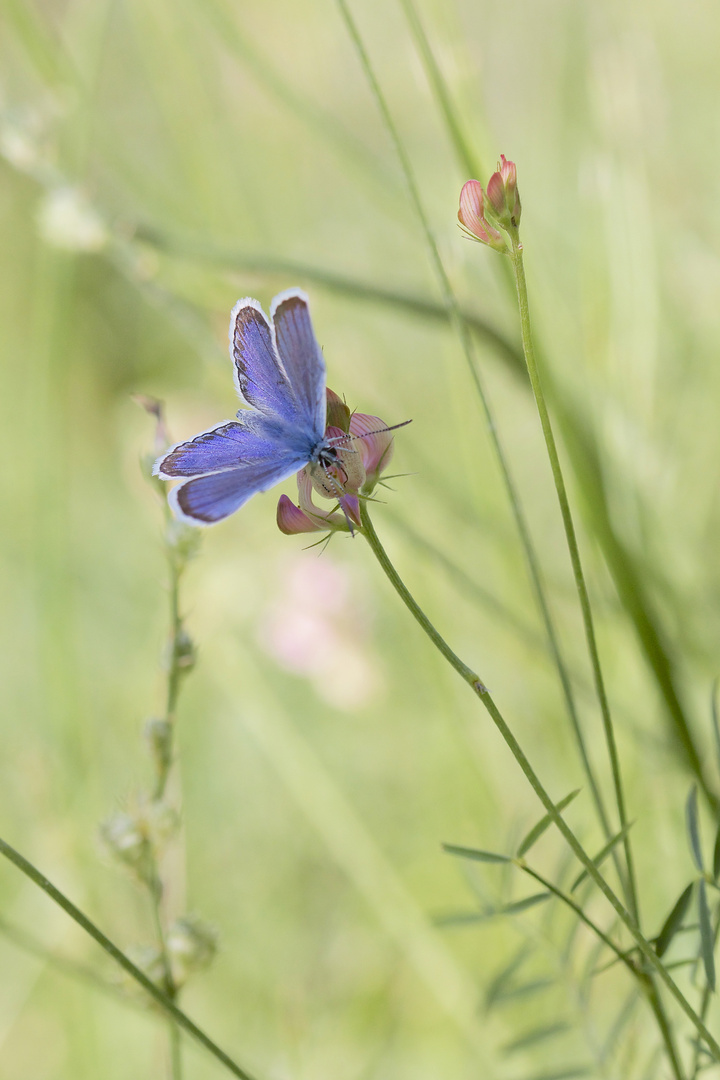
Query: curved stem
[[646, 983], [462, 328], [569, 526], [177, 1015], [474, 681]]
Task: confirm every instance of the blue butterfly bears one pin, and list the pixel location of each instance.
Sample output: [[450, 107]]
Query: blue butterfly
[[279, 372]]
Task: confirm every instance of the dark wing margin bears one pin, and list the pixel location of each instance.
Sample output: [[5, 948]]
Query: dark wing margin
[[259, 376], [301, 355]]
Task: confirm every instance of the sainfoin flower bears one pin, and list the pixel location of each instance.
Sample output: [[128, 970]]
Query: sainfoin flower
[[364, 449], [481, 212], [471, 216], [503, 194]]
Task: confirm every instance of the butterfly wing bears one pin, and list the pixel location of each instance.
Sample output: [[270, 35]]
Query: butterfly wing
[[301, 355], [259, 376], [229, 445], [204, 500]]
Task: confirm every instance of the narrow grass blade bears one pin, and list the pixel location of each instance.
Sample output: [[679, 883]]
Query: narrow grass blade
[[530, 1038], [522, 905], [537, 830], [601, 855], [707, 938], [693, 828], [715, 720], [716, 856], [120, 958], [564, 1074], [674, 920], [460, 918], [499, 985], [476, 853]]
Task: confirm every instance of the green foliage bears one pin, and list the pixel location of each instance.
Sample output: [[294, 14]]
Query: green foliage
[[544, 823], [160, 160], [674, 920]]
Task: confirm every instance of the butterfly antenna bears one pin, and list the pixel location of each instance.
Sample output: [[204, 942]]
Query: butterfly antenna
[[366, 434]]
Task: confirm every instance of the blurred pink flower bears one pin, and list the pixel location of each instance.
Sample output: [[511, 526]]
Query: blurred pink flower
[[316, 629]]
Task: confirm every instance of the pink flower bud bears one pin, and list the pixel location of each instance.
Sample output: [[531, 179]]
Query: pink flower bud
[[471, 216], [503, 195]]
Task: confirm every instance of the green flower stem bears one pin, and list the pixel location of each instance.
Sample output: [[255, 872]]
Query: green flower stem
[[646, 983], [704, 1006], [120, 958], [476, 684], [156, 891], [177, 562], [519, 271], [462, 328], [176, 566]]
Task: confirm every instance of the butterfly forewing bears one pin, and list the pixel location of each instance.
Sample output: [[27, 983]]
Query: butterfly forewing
[[226, 446], [259, 375], [301, 356]]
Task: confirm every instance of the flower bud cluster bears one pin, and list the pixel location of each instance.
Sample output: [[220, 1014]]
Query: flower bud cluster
[[483, 214], [191, 946], [135, 838]]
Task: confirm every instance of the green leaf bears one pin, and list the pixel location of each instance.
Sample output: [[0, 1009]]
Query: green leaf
[[500, 985], [564, 1074], [547, 1031], [674, 920], [460, 918], [714, 713], [707, 938], [716, 856], [601, 855], [537, 830], [522, 905], [693, 827], [522, 990], [475, 853]]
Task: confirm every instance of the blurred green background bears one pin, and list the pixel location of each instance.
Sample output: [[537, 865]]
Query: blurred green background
[[161, 159]]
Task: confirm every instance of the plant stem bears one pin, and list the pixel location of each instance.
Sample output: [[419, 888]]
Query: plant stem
[[569, 902], [704, 1006], [474, 681], [646, 983], [176, 566], [460, 324], [533, 371], [156, 890], [180, 1018]]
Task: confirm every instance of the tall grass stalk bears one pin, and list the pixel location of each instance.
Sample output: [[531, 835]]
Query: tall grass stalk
[[584, 456], [646, 950], [159, 996], [461, 327], [579, 576]]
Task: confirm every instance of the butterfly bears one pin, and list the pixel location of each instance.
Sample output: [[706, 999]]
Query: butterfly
[[279, 372]]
